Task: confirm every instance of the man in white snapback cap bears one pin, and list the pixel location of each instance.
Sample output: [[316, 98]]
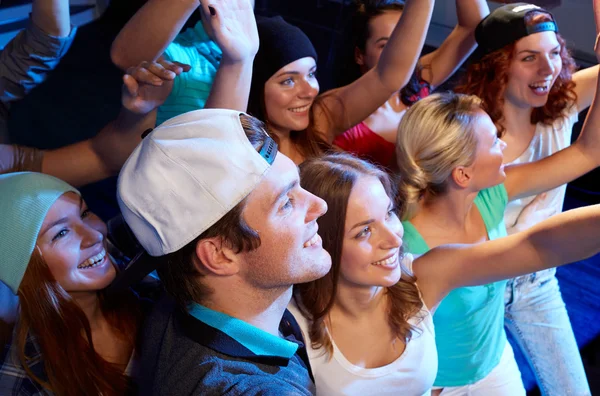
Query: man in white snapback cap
[[231, 230]]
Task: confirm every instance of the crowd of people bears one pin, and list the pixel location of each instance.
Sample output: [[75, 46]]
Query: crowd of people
[[377, 238]]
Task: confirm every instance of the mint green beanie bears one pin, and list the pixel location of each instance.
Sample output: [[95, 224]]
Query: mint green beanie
[[25, 199]]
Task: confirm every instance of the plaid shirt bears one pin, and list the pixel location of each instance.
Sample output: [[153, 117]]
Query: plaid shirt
[[14, 380]]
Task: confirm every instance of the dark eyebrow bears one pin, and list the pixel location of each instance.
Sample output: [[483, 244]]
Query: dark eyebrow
[[382, 39], [295, 72], [537, 52], [61, 220], [286, 190], [362, 223], [290, 73]]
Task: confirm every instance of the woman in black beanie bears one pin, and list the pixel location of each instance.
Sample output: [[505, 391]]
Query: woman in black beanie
[[285, 90]]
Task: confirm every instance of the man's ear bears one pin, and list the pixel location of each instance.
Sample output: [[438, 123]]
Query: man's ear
[[462, 176], [215, 257]]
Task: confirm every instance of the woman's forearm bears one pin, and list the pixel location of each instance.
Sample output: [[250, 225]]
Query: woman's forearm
[[150, 31], [400, 55]]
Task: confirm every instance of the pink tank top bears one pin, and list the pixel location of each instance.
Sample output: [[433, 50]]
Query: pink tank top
[[361, 141]]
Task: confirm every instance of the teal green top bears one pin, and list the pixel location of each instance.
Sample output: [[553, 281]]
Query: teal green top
[[469, 322], [256, 340], [191, 89]]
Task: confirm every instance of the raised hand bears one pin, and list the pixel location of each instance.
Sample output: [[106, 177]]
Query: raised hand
[[233, 26], [147, 86], [534, 212]]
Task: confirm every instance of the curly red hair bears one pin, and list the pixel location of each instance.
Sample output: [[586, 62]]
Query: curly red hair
[[488, 77]]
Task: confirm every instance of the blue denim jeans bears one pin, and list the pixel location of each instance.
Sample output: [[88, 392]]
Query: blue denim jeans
[[537, 318]]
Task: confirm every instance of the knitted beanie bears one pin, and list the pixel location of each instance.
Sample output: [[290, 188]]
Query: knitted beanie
[[280, 45], [25, 199]]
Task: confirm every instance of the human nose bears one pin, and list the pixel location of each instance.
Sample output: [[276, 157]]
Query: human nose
[[90, 236], [309, 89], [390, 238], [317, 208], [546, 66]]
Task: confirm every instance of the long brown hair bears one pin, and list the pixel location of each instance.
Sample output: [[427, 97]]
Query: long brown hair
[[72, 365], [332, 178], [309, 142], [488, 78]]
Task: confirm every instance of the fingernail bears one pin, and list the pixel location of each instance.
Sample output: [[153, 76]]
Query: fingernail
[[212, 10]]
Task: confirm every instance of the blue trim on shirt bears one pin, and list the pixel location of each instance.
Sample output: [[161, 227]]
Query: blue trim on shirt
[[256, 340]]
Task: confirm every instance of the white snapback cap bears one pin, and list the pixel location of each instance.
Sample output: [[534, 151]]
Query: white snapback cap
[[186, 175]]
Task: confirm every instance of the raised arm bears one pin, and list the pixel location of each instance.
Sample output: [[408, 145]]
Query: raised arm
[[442, 63], [586, 79], [52, 16], [150, 31], [28, 58], [145, 88], [234, 27], [568, 164], [564, 238], [345, 107]]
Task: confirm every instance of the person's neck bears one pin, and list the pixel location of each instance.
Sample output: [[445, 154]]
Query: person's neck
[[449, 211], [281, 133], [286, 146], [260, 308], [89, 303], [516, 118], [358, 302]]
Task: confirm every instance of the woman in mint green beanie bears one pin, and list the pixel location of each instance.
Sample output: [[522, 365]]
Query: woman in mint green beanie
[[70, 338]]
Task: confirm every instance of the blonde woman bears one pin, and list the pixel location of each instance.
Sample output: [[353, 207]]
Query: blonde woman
[[455, 189]]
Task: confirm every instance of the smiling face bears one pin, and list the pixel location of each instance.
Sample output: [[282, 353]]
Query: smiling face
[[535, 66], [372, 245], [380, 29], [285, 217], [72, 242], [289, 95], [488, 168]]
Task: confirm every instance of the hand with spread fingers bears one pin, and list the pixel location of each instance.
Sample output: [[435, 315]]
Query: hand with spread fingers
[[147, 86], [233, 26]]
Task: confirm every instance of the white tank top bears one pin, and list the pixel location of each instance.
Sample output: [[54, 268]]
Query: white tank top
[[412, 374]]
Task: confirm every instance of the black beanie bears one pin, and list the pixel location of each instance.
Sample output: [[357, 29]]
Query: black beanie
[[280, 45]]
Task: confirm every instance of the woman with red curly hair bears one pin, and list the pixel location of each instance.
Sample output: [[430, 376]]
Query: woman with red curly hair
[[528, 85]]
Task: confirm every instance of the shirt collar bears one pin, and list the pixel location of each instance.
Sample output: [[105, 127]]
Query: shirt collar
[[258, 341]]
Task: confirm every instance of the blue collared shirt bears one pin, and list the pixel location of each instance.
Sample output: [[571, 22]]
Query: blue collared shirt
[[256, 340]]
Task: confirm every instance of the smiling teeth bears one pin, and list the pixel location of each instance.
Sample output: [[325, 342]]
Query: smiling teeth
[[93, 261], [540, 87], [387, 261], [312, 241], [300, 109]]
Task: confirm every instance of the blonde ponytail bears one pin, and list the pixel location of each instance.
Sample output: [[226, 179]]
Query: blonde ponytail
[[435, 136]]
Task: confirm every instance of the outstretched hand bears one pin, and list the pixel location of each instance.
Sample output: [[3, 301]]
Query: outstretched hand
[[147, 86], [233, 26]]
